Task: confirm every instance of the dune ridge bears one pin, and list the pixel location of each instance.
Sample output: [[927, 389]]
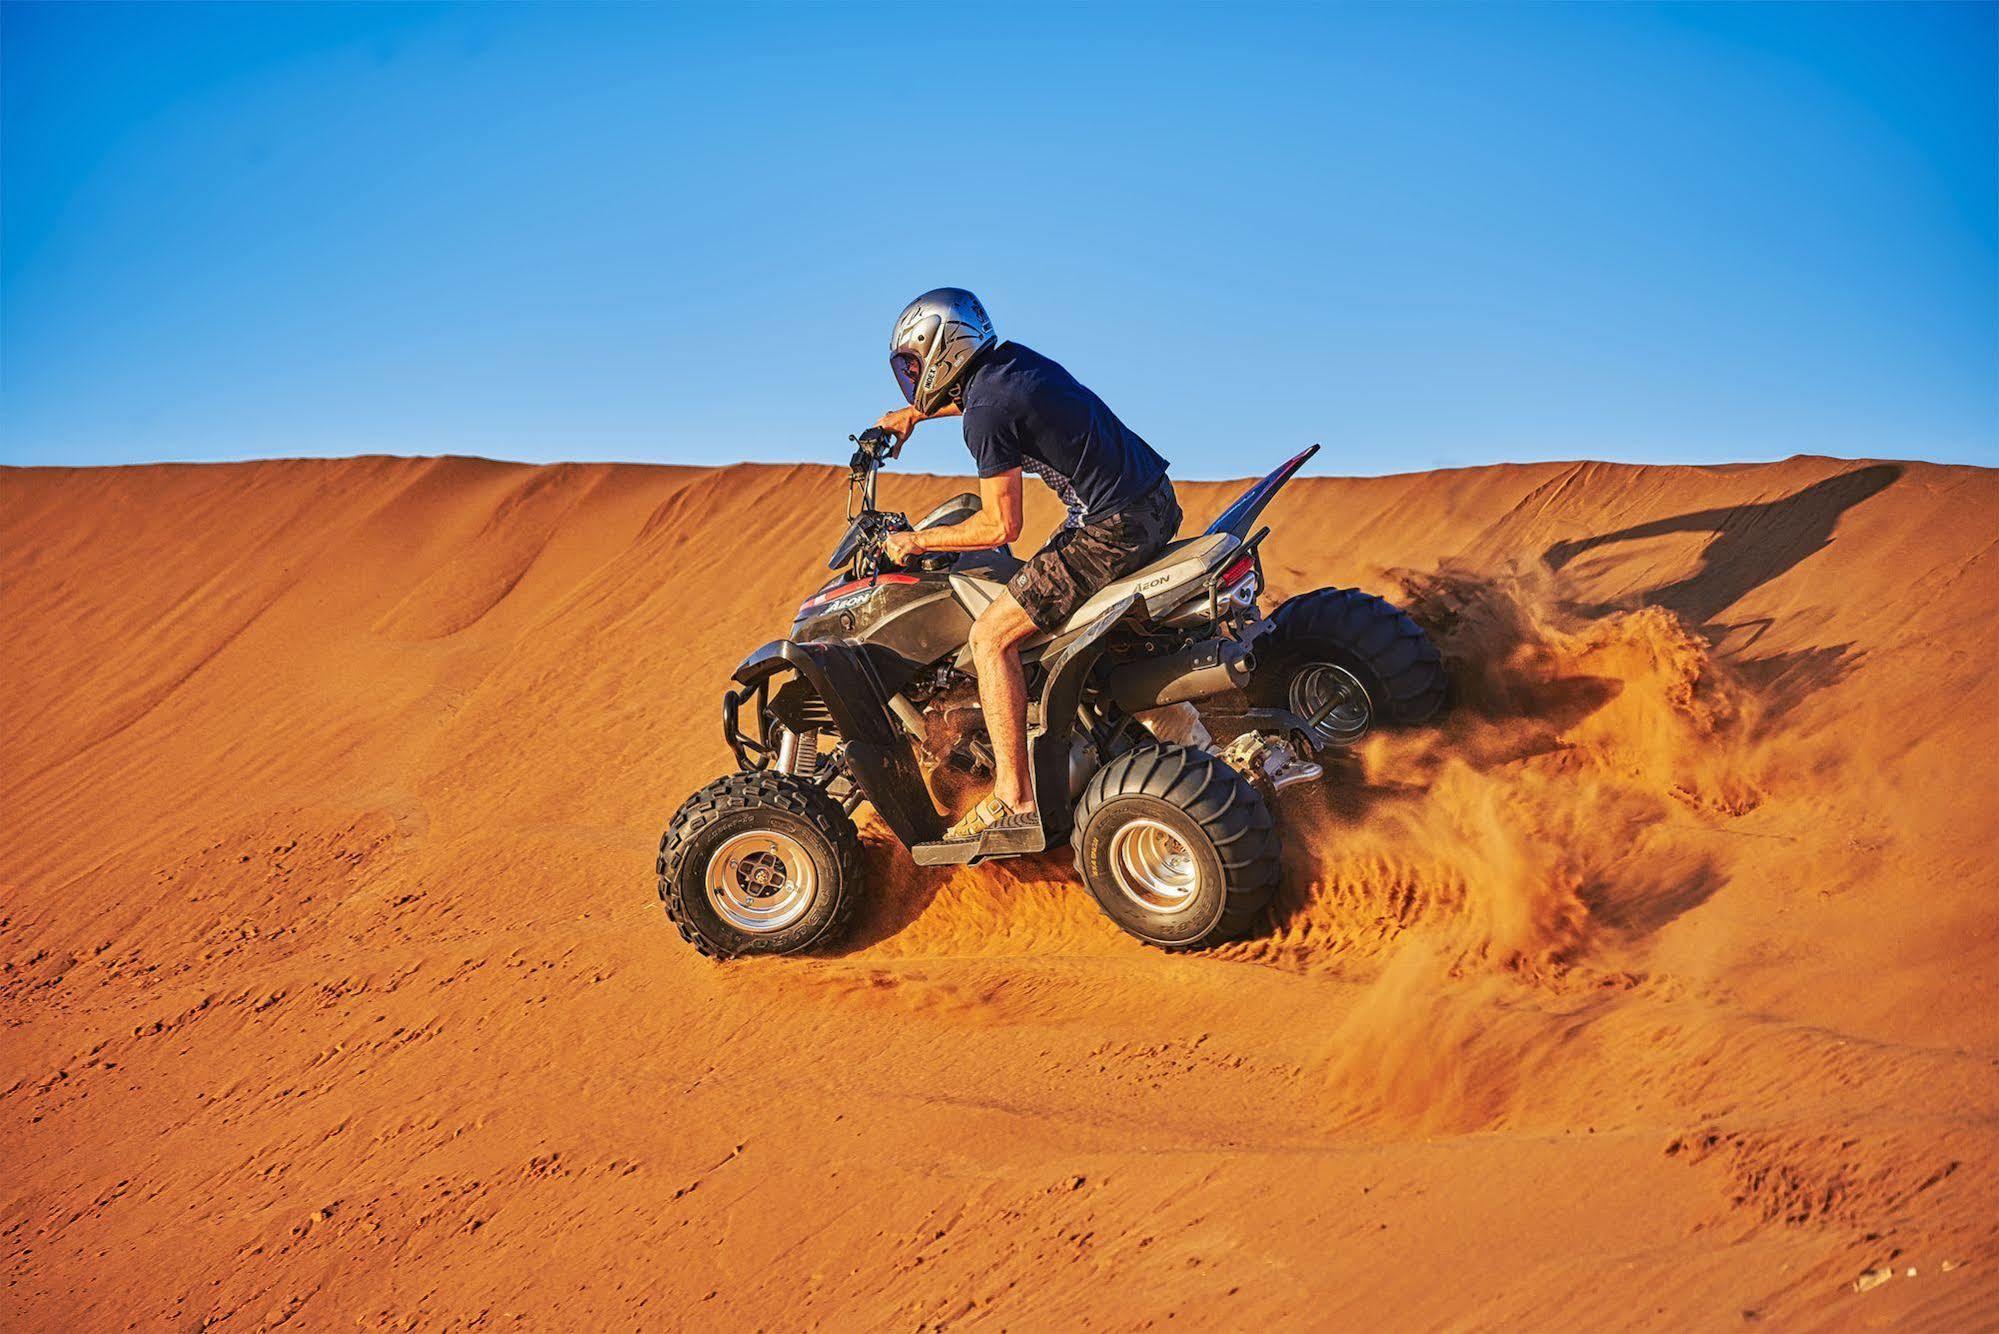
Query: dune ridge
[[1652, 988]]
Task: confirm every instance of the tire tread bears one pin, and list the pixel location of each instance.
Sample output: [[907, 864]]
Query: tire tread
[[1403, 664], [1231, 813], [752, 791]]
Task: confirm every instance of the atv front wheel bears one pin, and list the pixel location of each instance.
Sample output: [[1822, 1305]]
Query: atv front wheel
[[1177, 848], [759, 863], [1354, 656]]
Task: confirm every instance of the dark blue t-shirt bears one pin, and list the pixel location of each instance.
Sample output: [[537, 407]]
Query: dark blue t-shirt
[[1024, 411]]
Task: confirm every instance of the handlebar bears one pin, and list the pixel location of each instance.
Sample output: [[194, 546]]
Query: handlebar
[[863, 545], [874, 447]]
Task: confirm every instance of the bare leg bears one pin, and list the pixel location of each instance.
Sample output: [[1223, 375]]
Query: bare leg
[[996, 638]]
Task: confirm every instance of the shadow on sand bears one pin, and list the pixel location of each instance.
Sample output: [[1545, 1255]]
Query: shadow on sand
[[1752, 544]]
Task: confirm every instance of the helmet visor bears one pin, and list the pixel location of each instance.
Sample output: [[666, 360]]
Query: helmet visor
[[908, 369]]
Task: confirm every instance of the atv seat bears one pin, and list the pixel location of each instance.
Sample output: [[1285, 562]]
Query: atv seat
[[993, 567], [1161, 582]]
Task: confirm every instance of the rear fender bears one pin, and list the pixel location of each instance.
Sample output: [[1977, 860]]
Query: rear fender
[[1237, 518], [849, 680]]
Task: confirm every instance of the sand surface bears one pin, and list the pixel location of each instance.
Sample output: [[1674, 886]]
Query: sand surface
[[1659, 987]]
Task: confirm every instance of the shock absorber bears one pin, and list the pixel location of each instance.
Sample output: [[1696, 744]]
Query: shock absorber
[[797, 753]]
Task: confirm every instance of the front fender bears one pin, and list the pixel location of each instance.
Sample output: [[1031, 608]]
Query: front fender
[[763, 664], [848, 678]]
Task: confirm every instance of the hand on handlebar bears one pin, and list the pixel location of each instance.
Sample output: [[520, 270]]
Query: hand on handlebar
[[899, 423], [902, 547]]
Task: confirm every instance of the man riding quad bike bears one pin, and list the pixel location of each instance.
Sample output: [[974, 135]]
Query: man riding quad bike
[[1086, 660]]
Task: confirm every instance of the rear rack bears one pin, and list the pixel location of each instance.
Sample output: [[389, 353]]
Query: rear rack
[[1253, 549]]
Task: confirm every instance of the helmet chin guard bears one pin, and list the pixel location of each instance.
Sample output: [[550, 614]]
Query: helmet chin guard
[[935, 339]]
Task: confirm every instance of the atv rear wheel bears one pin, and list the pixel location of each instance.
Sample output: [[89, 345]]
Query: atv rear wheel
[[1177, 847], [1354, 655], [759, 863]]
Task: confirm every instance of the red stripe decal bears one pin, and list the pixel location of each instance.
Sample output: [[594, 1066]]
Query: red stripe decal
[[843, 589]]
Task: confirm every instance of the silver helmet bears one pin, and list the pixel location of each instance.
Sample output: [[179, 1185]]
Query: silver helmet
[[935, 339]]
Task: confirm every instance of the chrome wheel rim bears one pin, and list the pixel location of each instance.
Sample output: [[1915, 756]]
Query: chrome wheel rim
[[1154, 867], [1320, 683], [761, 882]]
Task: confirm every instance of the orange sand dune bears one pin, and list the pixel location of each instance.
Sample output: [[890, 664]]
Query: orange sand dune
[[1655, 988]]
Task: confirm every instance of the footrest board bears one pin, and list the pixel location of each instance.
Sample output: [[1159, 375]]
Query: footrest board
[[995, 842]]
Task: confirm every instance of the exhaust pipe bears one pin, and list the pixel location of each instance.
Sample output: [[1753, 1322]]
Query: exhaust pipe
[[1195, 672]]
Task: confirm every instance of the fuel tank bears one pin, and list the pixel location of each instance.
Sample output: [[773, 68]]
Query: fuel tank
[[915, 615]]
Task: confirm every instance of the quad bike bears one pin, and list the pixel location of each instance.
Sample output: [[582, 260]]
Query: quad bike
[[1174, 838]]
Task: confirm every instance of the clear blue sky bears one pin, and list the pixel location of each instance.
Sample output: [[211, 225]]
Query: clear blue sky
[[1424, 235]]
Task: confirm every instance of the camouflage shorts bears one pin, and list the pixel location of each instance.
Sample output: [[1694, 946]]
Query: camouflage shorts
[[1077, 562]]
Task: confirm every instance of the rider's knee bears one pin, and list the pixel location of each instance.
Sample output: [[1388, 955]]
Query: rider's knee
[[989, 635], [984, 640]]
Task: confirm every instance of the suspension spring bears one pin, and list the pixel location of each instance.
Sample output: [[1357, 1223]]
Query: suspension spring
[[797, 753]]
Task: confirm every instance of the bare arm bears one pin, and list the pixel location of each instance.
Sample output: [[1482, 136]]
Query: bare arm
[[996, 523], [904, 420]]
